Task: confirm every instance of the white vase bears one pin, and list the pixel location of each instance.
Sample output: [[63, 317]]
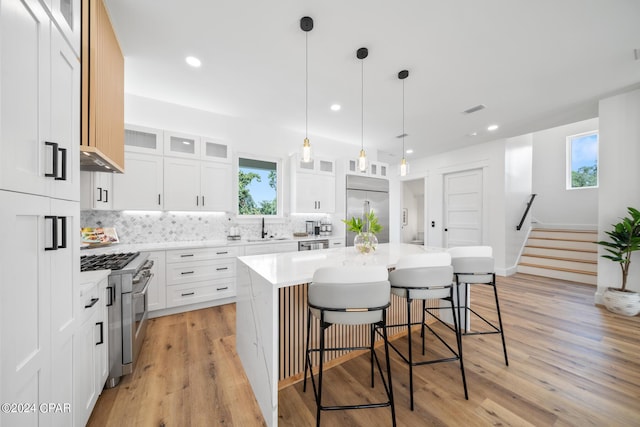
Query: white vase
[[365, 243], [625, 303]]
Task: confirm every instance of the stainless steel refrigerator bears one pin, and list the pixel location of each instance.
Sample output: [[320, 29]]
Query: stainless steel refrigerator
[[363, 195]]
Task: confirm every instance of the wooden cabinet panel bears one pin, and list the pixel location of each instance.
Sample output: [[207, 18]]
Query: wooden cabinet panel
[[102, 91]]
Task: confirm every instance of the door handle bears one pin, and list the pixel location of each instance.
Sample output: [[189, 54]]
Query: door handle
[[99, 194], [111, 295], [101, 333], [63, 221], [446, 229], [63, 176], [106, 196], [54, 150], [54, 233], [187, 272]]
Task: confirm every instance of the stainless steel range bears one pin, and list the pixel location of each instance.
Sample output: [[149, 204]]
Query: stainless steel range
[[128, 307]]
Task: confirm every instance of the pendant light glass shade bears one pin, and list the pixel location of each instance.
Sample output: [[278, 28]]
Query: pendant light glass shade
[[306, 25], [404, 166], [361, 54]]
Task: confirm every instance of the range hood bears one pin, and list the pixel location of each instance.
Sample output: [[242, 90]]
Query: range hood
[[93, 160]]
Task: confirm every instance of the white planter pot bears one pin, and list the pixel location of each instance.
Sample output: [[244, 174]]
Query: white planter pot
[[625, 303]]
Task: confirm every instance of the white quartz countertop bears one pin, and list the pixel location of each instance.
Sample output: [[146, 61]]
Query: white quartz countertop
[[161, 246], [293, 268]]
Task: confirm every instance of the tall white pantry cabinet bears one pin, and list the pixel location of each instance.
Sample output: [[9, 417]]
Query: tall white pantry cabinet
[[39, 209]]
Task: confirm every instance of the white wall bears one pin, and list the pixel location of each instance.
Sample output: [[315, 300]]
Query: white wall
[[518, 184], [555, 206], [619, 179]]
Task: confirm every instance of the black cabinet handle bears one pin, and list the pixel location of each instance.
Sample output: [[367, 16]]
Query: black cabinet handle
[[197, 200], [106, 196], [101, 333], [222, 268], [187, 272], [188, 294], [222, 253], [63, 221], [202, 200], [54, 147], [185, 255], [92, 302], [99, 194], [112, 291], [54, 233], [222, 289], [158, 198], [63, 176]]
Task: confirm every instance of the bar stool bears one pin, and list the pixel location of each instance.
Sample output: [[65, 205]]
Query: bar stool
[[349, 296], [421, 277], [475, 265]]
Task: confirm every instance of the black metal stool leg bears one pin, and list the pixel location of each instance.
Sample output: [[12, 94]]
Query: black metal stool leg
[[372, 338], [459, 341], [504, 345], [319, 397], [424, 307], [306, 352], [410, 349], [386, 352]]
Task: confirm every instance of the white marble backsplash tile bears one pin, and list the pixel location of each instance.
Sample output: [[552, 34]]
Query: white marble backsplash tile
[[151, 227]]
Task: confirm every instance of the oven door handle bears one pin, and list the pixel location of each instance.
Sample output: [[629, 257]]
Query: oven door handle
[[146, 286]]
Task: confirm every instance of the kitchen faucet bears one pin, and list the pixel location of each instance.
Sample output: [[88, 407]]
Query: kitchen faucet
[[263, 233]]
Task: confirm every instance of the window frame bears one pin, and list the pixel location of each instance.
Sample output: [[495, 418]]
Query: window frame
[[279, 185], [569, 169]]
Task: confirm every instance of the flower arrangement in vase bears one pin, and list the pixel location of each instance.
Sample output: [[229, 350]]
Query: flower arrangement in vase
[[365, 241]]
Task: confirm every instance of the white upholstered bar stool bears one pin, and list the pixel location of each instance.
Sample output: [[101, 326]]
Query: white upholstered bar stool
[[349, 296], [475, 265], [427, 276]]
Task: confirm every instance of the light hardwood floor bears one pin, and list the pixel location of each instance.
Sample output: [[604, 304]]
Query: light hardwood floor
[[570, 364]]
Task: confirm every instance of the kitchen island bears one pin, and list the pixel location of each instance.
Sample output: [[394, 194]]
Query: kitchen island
[[271, 313]]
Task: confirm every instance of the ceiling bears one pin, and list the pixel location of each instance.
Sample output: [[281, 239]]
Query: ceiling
[[533, 64]]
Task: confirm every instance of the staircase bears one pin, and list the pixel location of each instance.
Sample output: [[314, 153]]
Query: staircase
[[561, 254]]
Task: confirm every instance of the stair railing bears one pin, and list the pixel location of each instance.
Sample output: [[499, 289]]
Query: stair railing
[[526, 211]]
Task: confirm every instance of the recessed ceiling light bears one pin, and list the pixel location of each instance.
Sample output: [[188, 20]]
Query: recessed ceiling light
[[193, 61], [335, 107], [409, 151], [473, 134], [492, 127], [186, 142]]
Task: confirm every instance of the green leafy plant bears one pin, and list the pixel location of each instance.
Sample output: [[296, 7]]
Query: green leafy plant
[[370, 223], [625, 239]]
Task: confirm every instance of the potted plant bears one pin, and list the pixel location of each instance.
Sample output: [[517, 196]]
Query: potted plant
[[365, 241], [625, 239]]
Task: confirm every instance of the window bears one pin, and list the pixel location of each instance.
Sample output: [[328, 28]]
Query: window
[[257, 187], [582, 160]]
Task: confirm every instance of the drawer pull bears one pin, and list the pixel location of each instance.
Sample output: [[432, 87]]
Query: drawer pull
[[222, 289], [222, 253], [187, 272], [188, 294], [92, 302], [185, 255], [222, 268]]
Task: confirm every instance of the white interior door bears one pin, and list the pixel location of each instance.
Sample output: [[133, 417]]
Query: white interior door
[[463, 208]]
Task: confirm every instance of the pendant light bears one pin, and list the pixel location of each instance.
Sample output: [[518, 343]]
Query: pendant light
[[361, 54], [404, 167], [306, 25]]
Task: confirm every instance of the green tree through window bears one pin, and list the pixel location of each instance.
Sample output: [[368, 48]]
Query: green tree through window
[[582, 164], [257, 187]]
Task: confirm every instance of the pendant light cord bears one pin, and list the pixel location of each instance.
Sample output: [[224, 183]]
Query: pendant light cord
[[362, 106], [403, 118], [306, 85]]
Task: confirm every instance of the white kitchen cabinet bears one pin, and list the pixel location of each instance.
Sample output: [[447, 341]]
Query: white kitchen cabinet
[[40, 109], [140, 187], [39, 218], [66, 14], [157, 296], [183, 145], [271, 248], [39, 261], [96, 190], [215, 150], [191, 185], [200, 275], [139, 139], [337, 242], [91, 350], [375, 169], [313, 186]]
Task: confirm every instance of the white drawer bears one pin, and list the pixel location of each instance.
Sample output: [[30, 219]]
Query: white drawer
[[200, 292], [186, 272], [89, 300], [189, 255]]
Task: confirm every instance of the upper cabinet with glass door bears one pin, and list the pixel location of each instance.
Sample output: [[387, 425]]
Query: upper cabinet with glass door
[[319, 165], [377, 169], [66, 14], [183, 145], [139, 139], [213, 149]]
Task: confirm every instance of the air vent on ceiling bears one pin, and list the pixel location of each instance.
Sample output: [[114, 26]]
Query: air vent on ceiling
[[474, 109], [404, 135]]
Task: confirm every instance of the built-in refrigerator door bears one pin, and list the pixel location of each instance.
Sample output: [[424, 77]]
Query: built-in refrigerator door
[[360, 202]]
